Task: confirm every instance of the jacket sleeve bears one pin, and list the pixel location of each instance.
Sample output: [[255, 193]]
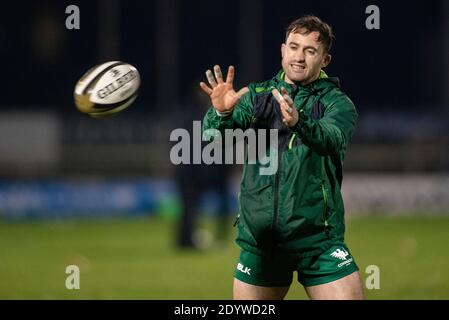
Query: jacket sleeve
[[240, 117], [330, 134]]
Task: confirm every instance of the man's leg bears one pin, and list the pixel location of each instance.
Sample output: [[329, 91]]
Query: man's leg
[[262, 276], [245, 291], [190, 192], [346, 288]]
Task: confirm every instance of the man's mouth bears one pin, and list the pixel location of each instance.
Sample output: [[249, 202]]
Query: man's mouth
[[297, 67]]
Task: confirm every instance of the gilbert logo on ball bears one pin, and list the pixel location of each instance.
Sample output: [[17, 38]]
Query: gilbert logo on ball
[[107, 89]]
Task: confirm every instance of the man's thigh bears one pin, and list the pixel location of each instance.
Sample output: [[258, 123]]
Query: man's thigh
[[246, 291], [331, 275], [346, 288], [261, 276]]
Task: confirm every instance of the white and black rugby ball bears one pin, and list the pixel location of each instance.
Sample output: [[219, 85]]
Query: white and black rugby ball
[[107, 89]]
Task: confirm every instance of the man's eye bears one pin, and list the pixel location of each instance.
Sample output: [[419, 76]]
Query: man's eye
[[293, 48], [311, 51]]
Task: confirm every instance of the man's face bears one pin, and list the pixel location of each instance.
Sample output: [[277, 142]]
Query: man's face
[[303, 57]]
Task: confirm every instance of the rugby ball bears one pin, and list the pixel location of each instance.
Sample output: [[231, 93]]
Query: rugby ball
[[107, 88]]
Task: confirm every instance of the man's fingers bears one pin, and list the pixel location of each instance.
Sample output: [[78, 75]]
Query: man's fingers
[[211, 79], [287, 106], [286, 110], [230, 75], [277, 96], [242, 91], [284, 91], [284, 101], [280, 99], [286, 96], [205, 88], [288, 99], [218, 74]]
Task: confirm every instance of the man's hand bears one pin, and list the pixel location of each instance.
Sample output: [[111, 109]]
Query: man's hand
[[288, 109], [222, 94]]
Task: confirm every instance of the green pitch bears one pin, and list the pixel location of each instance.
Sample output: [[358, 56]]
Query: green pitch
[[134, 258]]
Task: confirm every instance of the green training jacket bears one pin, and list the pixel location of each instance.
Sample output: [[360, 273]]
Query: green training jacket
[[299, 209]]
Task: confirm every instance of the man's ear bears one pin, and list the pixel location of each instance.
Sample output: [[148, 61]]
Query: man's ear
[[327, 59], [282, 50]]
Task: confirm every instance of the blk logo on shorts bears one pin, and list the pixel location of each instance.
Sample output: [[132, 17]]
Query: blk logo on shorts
[[243, 269]]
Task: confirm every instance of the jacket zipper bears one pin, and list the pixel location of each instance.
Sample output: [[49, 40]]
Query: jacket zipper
[[277, 177], [276, 190], [276, 199]]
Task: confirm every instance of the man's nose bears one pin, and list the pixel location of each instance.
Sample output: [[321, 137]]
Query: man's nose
[[299, 56]]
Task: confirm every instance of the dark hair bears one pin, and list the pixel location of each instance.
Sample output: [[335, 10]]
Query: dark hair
[[310, 23]]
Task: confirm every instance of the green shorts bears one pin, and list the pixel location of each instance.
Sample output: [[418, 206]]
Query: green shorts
[[276, 270]]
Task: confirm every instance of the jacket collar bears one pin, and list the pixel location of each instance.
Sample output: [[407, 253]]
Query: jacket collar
[[322, 83]]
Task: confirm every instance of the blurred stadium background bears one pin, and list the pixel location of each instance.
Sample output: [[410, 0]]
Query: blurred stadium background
[[102, 194]]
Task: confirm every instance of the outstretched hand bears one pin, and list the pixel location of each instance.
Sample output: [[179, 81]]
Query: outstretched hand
[[222, 94]]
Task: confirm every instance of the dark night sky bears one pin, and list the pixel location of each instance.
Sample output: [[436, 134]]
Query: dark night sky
[[397, 65]]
